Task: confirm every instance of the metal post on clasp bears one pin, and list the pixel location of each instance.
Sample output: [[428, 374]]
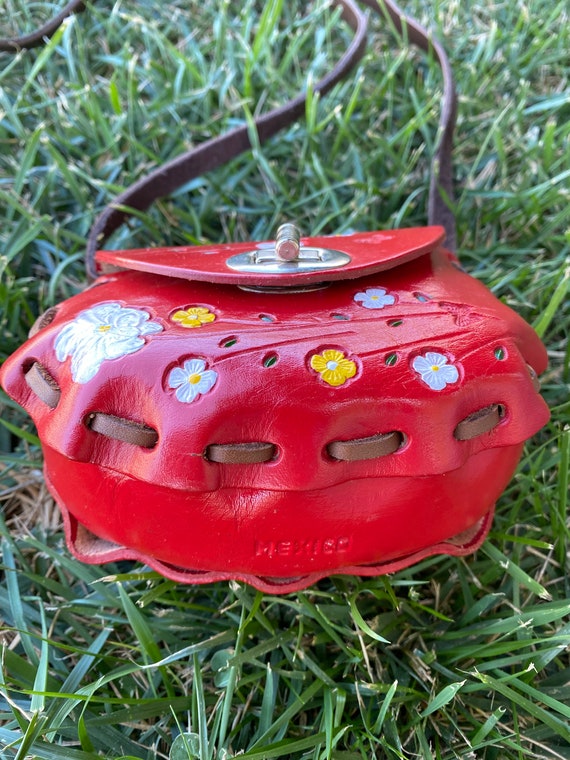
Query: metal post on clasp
[[287, 254], [288, 242]]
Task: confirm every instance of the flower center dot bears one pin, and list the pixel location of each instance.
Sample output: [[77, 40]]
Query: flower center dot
[[104, 328], [435, 368], [194, 379], [332, 366]]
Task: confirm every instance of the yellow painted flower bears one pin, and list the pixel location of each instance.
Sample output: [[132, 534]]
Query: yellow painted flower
[[333, 367], [194, 316]]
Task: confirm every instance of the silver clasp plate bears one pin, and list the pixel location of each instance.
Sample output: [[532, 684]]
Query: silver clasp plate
[[286, 255]]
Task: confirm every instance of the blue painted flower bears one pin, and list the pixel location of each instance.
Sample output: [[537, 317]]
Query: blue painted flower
[[192, 380], [105, 331], [435, 371], [374, 298]]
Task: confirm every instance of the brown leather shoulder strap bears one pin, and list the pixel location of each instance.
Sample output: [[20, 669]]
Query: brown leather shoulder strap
[[39, 36], [441, 194], [217, 151]]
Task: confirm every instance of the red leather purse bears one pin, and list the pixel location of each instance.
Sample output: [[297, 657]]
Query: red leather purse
[[276, 412]]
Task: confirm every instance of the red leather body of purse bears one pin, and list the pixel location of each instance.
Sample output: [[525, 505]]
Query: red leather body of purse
[[278, 412]]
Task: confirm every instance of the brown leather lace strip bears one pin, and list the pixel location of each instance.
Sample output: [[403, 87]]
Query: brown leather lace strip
[[213, 153], [38, 37], [441, 180], [122, 429], [89, 545], [534, 377], [366, 448], [42, 321], [273, 581], [481, 421], [241, 453], [468, 535], [43, 384], [219, 150]]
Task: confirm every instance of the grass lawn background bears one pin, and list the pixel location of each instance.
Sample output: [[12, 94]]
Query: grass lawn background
[[453, 658]]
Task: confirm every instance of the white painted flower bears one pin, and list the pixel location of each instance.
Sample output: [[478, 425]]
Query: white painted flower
[[103, 332], [435, 371], [192, 380], [374, 298]]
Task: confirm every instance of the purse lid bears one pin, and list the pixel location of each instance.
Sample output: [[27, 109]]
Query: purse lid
[[318, 259], [380, 250]]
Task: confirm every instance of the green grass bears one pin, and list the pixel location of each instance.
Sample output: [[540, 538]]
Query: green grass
[[453, 658]]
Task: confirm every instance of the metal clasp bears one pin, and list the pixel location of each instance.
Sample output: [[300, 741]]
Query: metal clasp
[[286, 255]]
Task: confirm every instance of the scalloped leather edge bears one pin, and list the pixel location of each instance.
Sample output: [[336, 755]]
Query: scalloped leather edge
[[90, 549]]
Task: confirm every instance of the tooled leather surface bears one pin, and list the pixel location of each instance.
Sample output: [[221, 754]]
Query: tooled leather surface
[[211, 364], [276, 382], [273, 533], [287, 403], [90, 549]]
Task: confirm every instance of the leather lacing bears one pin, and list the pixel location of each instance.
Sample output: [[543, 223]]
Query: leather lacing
[[44, 385], [122, 429], [241, 453], [534, 377], [359, 449], [480, 422], [42, 321], [259, 452]]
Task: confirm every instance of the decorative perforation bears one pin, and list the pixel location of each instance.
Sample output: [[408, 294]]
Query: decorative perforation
[[270, 360]]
